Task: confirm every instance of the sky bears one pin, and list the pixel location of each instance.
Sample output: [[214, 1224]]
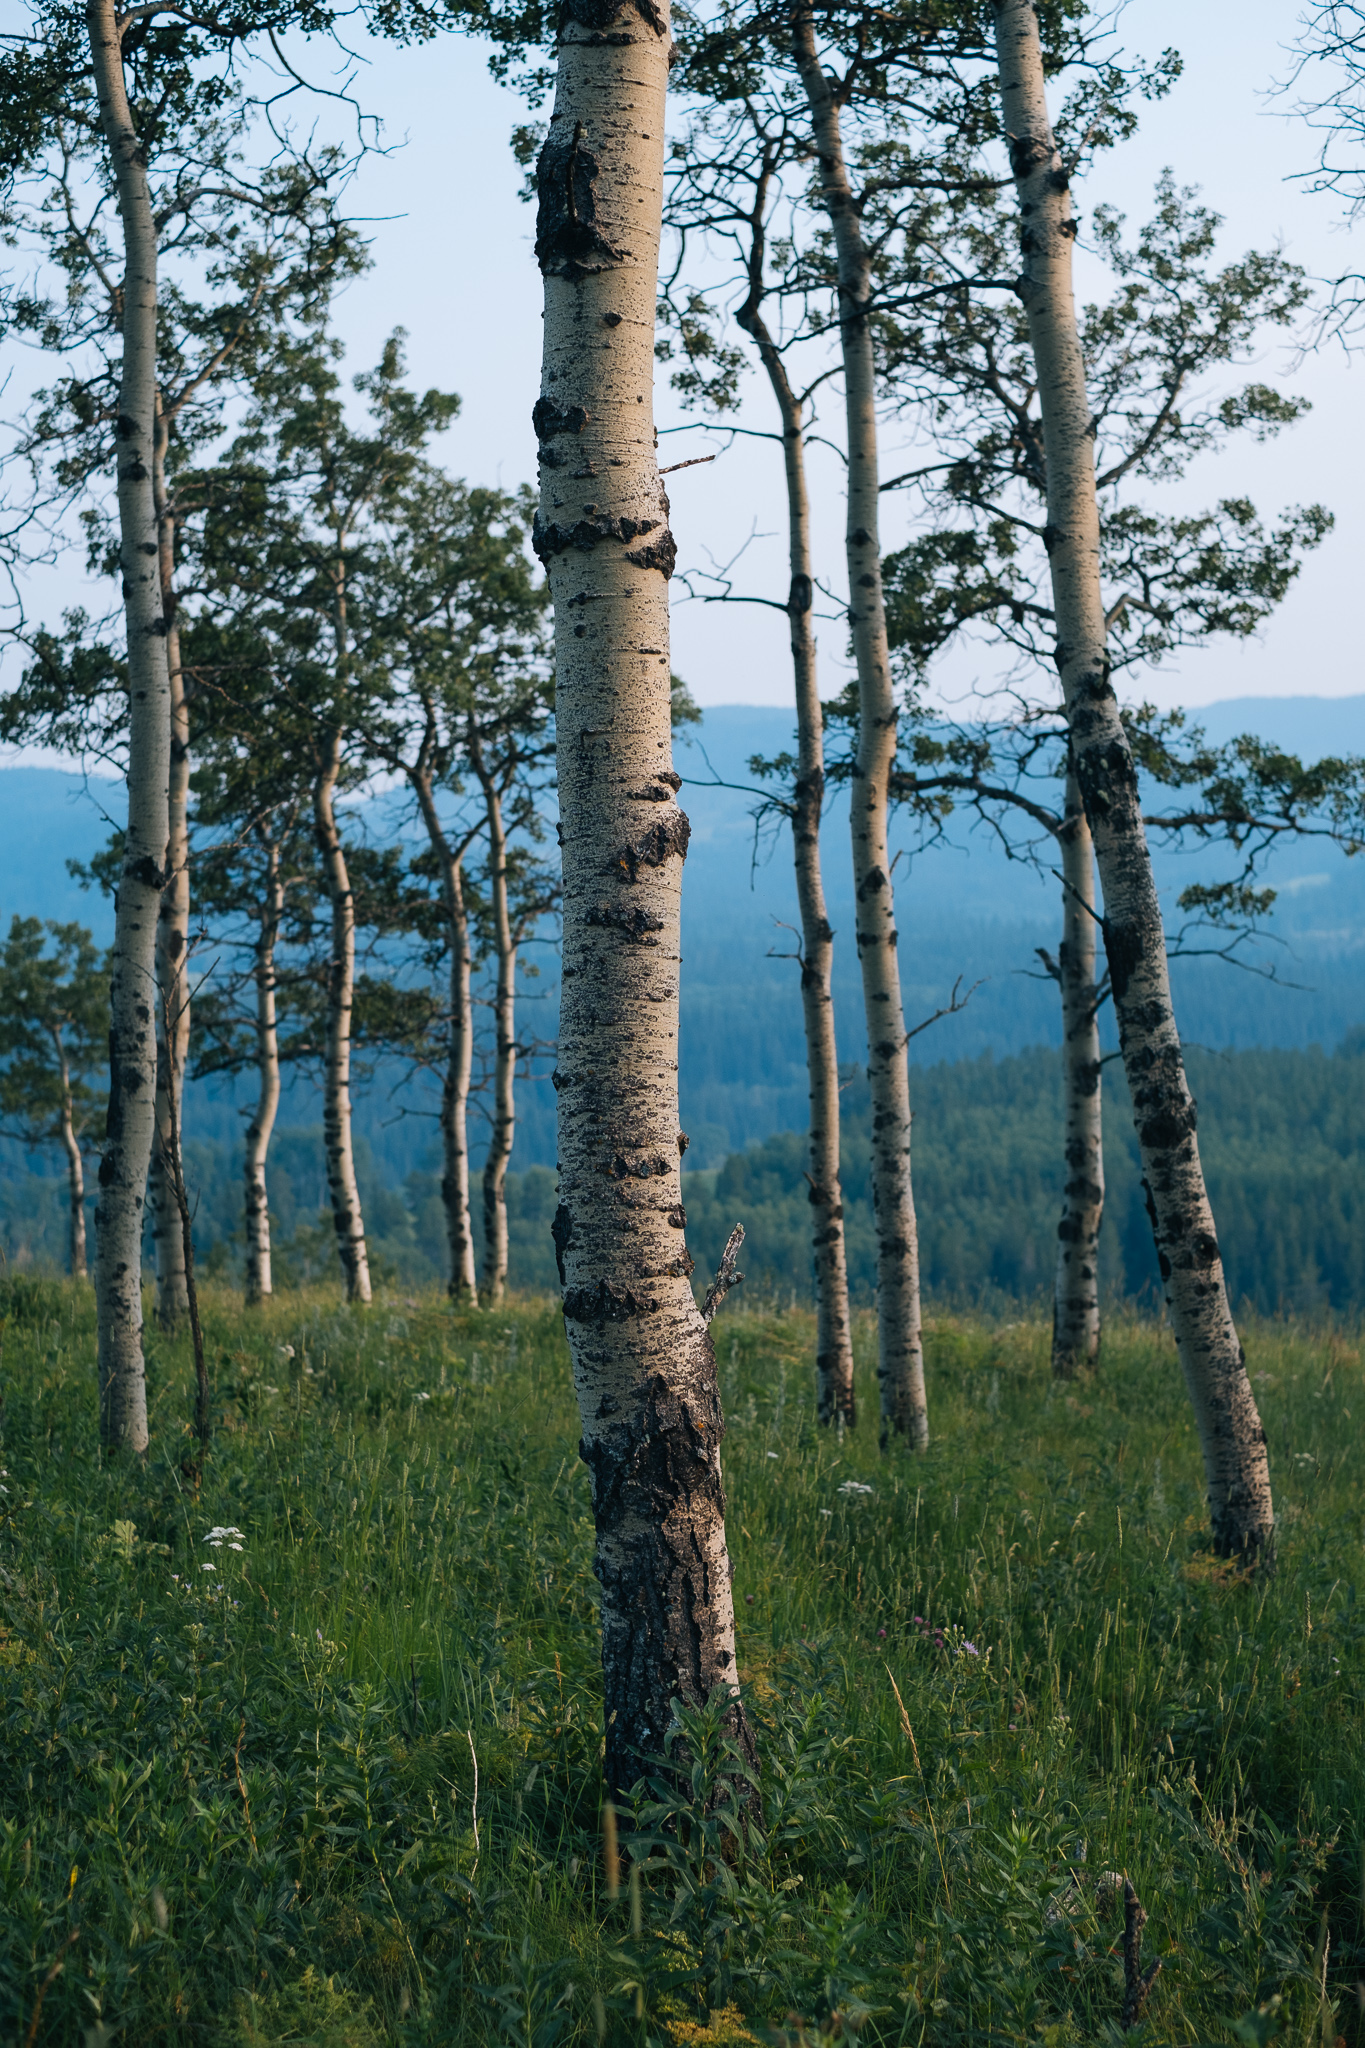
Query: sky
[[453, 265]]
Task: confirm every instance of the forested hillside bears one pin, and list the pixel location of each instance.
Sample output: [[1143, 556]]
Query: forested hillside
[[1282, 1133]]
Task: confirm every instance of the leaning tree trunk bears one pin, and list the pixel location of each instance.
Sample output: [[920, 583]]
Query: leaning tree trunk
[[75, 1166], [172, 941], [900, 1363], [834, 1327], [132, 988], [644, 1364], [258, 1131], [460, 1057], [1076, 1300], [336, 1100], [1231, 1436], [505, 1046]]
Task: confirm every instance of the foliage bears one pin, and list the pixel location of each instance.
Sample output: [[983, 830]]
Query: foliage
[[240, 1802], [54, 1029]]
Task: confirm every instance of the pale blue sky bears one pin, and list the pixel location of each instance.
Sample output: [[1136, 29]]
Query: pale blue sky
[[454, 266]]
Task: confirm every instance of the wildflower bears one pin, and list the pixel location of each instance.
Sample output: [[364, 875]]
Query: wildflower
[[881, 1631], [421, 1397], [208, 1567], [827, 1512], [286, 1351], [971, 1649], [856, 1489], [226, 1534], [770, 1454]]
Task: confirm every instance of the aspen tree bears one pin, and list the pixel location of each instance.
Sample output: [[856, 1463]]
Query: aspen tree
[[900, 1363], [256, 1205], [724, 185], [1231, 1436], [499, 1153], [54, 1025], [132, 987], [172, 931], [644, 1364], [1076, 1290]]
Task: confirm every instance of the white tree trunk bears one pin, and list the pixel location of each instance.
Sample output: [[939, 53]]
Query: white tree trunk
[[900, 1365], [132, 990], [1233, 1441], [494, 1285], [643, 1360], [459, 1060], [336, 1100], [258, 1132], [172, 940], [834, 1326], [1076, 1298], [75, 1166]]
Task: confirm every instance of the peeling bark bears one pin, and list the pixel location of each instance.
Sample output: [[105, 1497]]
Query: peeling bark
[[834, 1326], [258, 1131], [505, 1039], [132, 990], [1076, 1296], [900, 1362], [643, 1361], [172, 936], [1231, 1436], [347, 1219]]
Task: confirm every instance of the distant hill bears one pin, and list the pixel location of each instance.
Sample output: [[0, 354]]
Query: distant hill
[[963, 909]]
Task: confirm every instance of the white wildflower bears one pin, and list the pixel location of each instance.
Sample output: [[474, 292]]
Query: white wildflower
[[208, 1567], [770, 1454], [227, 1534], [286, 1350], [856, 1489]]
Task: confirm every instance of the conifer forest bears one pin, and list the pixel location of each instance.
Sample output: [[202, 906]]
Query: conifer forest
[[682, 1201]]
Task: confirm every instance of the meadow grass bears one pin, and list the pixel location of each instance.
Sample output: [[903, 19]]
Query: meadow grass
[[341, 1785]]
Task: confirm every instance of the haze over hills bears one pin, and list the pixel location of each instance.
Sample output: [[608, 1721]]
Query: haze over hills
[[964, 910]]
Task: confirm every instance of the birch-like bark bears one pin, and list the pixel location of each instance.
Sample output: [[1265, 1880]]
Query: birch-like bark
[[347, 1219], [1231, 1436], [172, 936], [494, 1285], [75, 1166], [460, 1056], [900, 1345], [644, 1364], [1076, 1299], [132, 988], [834, 1328], [258, 1131]]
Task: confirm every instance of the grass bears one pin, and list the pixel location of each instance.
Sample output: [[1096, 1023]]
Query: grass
[[238, 1804]]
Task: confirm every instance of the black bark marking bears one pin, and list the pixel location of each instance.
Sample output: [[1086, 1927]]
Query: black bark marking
[[548, 419], [598, 15], [550, 538], [620, 1168], [668, 836], [637, 925], [660, 554], [606, 1303], [569, 242], [561, 1230]]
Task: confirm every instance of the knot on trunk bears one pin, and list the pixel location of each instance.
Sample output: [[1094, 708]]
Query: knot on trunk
[[665, 837], [569, 242], [606, 1303]]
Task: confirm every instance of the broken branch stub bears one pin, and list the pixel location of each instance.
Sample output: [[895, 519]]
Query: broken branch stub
[[728, 1274]]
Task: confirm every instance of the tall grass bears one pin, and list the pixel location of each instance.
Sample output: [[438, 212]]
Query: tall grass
[[238, 1795]]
